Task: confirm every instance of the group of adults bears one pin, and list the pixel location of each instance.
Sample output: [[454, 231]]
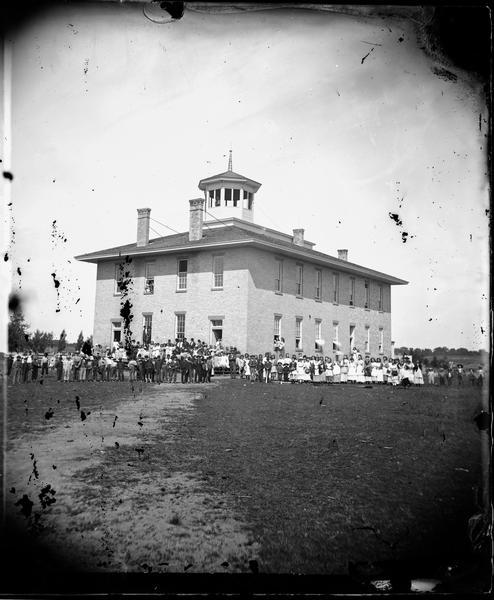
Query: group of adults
[[194, 361]]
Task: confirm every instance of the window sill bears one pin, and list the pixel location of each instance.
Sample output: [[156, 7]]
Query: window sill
[[216, 289], [299, 296], [117, 294], [352, 305], [317, 299], [180, 291], [148, 293], [336, 303], [367, 309], [278, 293]]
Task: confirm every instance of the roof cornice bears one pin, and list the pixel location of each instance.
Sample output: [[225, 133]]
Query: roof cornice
[[297, 251]]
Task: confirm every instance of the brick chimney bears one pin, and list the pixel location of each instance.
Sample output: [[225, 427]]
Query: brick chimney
[[143, 216], [298, 237], [196, 219], [343, 254]]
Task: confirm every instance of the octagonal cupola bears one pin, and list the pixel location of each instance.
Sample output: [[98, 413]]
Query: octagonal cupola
[[229, 195]]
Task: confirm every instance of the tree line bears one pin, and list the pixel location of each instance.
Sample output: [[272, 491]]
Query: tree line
[[21, 339]]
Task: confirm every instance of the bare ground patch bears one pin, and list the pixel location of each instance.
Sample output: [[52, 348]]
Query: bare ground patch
[[97, 499]]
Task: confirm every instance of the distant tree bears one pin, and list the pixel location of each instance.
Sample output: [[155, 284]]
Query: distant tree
[[40, 340], [427, 351], [62, 342], [80, 341], [426, 362], [434, 362], [441, 350], [17, 331]]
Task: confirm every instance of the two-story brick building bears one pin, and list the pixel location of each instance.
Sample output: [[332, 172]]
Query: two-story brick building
[[248, 285]]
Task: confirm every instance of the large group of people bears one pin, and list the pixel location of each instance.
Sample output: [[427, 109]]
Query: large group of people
[[194, 361]]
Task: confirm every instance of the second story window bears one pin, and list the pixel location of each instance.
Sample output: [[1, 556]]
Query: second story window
[[336, 288], [217, 271], [318, 290], [352, 291], [380, 302], [278, 276], [367, 294], [149, 278], [236, 197], [119, 279], [182, 274], [299, 282]]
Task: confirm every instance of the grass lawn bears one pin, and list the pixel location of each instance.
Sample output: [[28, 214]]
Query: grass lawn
[[320, 476]]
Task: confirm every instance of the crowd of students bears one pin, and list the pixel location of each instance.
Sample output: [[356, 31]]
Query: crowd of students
[[190, 361]]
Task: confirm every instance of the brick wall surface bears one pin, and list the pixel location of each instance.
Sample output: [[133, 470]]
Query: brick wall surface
[[247, 303]]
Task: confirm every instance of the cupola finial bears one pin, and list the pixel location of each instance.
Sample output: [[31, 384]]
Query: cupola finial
[[230, 162]]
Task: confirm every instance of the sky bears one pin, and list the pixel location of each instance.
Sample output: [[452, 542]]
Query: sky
[[341, 118]]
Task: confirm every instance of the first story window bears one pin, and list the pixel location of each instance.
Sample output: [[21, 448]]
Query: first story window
[[336, 288], [367, 339], [318, 345], [147, 328], [367, 294], [352, 337], [381, 340], [116, 331], [277, 328], [336, 340], [278, 275], [218, 271], [180, 325], [236, 197], [216, 330], [298, 333], [228, 196], [182, 266], [211, 198], [217, 197], [149, 278]]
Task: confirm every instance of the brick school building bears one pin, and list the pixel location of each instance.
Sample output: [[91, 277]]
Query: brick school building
[[249, 286]]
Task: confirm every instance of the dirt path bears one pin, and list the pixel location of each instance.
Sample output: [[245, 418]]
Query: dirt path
[[151, 520]]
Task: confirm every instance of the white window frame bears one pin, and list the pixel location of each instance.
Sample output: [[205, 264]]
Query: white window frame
[[298, 333], [299, 281], [336, 288], [181, 279], [217, 283], [278, 280], [146, 316], [179, 316], [213, 327], [318, 290], [367, 293], [336, 341], [118, 279], [277, 327], [116, 325], [318, 334], [352, 336], [149, 279]]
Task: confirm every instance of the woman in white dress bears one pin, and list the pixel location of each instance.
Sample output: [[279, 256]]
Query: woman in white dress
[[344, 370], [380, 372], [336, 371], [359, 378], [418, 377], [352, 371]]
